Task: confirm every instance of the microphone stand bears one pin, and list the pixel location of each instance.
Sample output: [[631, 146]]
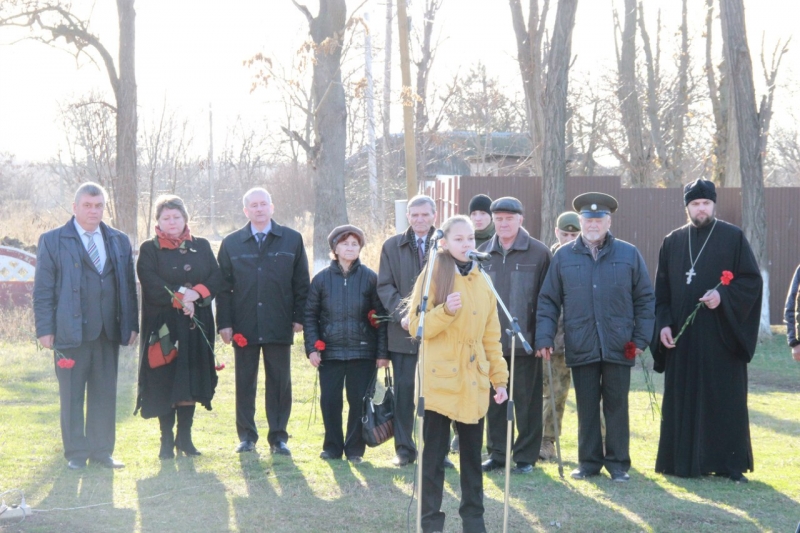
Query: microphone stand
[[423, 308], [555, 415], [513, 331]]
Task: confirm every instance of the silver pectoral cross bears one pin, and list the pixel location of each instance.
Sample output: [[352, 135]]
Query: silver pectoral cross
[[689, 275]]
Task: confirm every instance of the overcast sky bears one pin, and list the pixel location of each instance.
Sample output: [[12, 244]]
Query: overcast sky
[[191, 52]]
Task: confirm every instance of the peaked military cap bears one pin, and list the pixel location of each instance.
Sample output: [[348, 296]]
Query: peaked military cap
[[568, 221], [595, 204]]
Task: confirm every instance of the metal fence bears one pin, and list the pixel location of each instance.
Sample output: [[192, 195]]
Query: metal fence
[[644, 216]]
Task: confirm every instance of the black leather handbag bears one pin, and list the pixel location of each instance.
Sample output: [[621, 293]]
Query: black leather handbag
[[377, 419]]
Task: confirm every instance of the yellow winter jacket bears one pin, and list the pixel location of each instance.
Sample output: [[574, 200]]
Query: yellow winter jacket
[[461, 352]]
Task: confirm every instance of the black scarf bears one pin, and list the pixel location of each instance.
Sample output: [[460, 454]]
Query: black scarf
[[429, 241]]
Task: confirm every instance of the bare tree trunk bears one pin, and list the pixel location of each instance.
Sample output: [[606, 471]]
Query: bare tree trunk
[[653, 81], [412, 184], [681, 104], [387, 174], [718, 104], [423, 73], [529, 56], [553, 162], [629, 100], [749, 132], [372, 165], [330, 122], [126, 186]]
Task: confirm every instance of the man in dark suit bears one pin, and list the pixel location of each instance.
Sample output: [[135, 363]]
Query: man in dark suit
[[402, 258], [84, 301], [266, 270]]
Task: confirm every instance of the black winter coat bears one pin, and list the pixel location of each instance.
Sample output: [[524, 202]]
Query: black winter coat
[[337, 313], [517, 275], [265, 289], [606, 303], [57, 285], [790, 314], [191, 376]]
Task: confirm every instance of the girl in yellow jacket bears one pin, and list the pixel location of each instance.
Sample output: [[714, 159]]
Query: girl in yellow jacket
[[461, 355]]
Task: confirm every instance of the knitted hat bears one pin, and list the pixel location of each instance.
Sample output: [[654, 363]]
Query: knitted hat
[[480, 202]]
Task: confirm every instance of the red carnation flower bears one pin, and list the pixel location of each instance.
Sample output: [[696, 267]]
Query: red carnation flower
[[240, 341], [319, 346], [630, 350], [726, 278], [220, 366], [65, 363], [373, 318]]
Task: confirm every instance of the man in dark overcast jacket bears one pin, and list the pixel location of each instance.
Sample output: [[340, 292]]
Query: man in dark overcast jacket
[[266, 270], [518, 266], [84, 301], [608, 302]]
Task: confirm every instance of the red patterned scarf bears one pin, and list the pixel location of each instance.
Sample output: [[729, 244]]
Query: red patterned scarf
[[170, 243]]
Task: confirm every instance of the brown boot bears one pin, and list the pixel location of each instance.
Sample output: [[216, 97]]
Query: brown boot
[[548, 450]]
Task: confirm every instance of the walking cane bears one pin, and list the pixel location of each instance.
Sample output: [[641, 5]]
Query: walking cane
[[423, 307], [555, 416]]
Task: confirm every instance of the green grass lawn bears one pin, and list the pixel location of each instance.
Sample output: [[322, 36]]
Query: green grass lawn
[[224, 491]]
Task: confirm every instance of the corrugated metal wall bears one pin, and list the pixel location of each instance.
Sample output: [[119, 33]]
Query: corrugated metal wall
[[645, 216]]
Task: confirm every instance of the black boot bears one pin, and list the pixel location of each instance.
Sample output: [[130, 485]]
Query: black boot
[[167, 422], [183, 440]]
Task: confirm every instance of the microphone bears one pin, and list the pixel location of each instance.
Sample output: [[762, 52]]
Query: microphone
[[472, 255], [438, 234]]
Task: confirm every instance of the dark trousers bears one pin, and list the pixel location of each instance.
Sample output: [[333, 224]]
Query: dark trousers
[[355, 376], [93, 379], [436, 434], [404, 367], [277, 390], [611, 383], [527, 413]]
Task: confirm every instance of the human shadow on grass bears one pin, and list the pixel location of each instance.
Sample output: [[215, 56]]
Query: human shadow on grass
[[179, 497], [767, 508], [778, 425], [83, 501]]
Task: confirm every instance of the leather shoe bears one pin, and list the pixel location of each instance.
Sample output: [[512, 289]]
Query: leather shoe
[[246, 446], [328, 456], [76, 464], [108, 462], [490, 465], [620, 476], [280, 448], [522, 468], [448, 463], [738, 477], [401, 460], [580, 473]]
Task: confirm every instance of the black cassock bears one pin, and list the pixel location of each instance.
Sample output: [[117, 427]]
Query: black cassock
[[705, 426]]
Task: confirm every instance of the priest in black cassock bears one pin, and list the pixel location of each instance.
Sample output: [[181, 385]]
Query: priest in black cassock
[[705, 427]]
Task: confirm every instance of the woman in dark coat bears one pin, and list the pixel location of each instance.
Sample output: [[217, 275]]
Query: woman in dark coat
[[180, 276], [342, 342]]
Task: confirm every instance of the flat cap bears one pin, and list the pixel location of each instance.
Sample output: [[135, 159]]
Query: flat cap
[[699, 189], [339, 232], [568, 221], [480, 202], [507, 204], [595, 204]]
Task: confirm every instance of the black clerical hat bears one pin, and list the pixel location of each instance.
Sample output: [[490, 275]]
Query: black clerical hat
[[699, 189]]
